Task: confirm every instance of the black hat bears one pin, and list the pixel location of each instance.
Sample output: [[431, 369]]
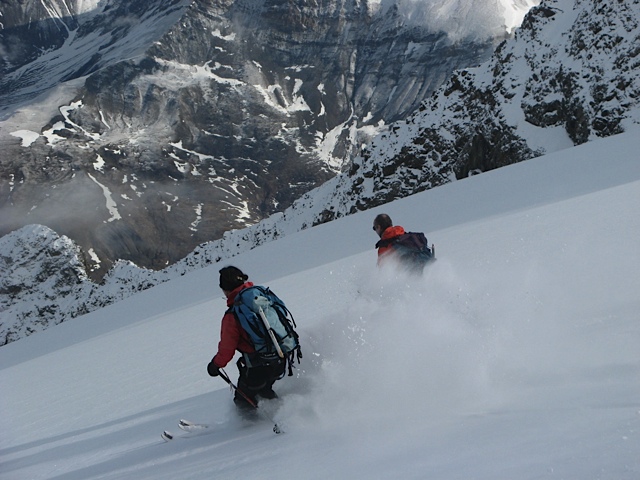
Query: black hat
[[231, 278]]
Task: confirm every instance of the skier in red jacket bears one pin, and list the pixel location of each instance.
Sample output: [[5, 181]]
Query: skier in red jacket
[[256, 377], [383, 226]]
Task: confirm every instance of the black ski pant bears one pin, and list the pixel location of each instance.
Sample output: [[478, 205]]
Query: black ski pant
[[257, 376]]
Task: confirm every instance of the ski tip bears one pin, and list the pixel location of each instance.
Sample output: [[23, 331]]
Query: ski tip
[[166, 436]]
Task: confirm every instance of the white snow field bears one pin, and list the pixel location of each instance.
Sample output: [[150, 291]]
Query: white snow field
[[516, 356]]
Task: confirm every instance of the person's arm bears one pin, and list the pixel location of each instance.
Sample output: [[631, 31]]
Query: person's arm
[[229, 339]]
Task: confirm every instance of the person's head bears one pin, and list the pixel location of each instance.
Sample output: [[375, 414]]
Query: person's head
[[381, 223], [231, 278]]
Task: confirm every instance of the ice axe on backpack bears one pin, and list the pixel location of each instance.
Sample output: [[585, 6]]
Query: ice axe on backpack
[[271, 334], [225, 377]]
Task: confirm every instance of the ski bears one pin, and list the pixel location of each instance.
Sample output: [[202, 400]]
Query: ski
[[191, 427], [188, 426], [185, 425]]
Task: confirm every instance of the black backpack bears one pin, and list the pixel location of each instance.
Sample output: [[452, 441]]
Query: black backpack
[[412, 248]]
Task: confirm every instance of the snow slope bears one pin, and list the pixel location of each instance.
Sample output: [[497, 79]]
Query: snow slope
[[515, 356]]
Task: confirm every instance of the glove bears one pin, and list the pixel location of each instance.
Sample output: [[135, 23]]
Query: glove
[[212, 369]]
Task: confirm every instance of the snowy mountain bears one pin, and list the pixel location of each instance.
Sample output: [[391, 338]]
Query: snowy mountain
[[570, 75], [43, 265], [48, 42], [515, 356], [485, 124], [161, 125]]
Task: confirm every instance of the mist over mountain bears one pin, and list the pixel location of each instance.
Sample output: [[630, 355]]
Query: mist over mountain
[[569, 75], [143, 130]]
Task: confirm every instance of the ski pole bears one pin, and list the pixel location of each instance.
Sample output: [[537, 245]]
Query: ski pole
[[225, 377]]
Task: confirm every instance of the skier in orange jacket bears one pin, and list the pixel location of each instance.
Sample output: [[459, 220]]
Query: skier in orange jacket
[[385, 229]]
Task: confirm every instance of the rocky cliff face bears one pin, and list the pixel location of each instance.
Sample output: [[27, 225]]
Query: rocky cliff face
[[47, 42], [570, 74], [198, 117], [41, 273]]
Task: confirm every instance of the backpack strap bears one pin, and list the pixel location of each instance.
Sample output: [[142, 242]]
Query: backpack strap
[[291, 358], [419, 238], [235, 307], [386, 242]]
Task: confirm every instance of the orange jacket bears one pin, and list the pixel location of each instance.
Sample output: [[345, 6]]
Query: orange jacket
[[232, 335], [390, 232]]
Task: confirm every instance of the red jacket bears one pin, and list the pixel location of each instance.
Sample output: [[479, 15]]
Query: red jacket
[[390, 232], [232, 335]]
